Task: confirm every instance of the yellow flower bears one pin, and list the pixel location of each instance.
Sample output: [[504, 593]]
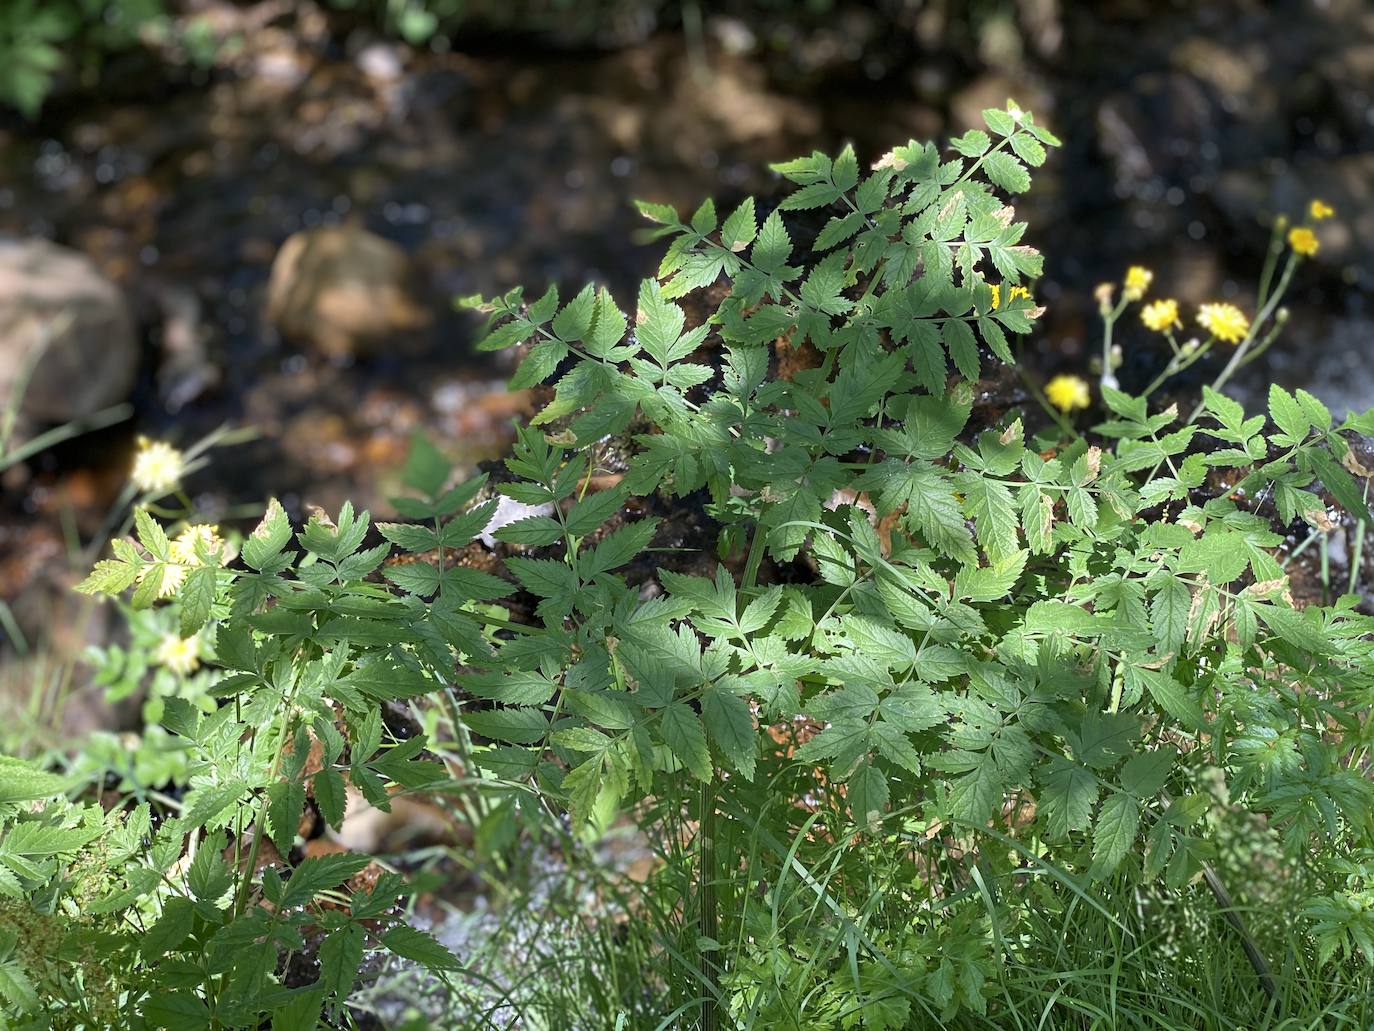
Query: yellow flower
[[1013, 294], [173, 576], [1161, 316], [180, 655], [1224, 321], [1068, 392], [1303, 241], [183, 549], [1319, 209], [157, 467], [1138, 279]]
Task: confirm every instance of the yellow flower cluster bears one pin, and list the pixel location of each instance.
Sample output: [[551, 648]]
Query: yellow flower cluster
[[1319, 210], [183, 549], [157, 467], [1138, 280], [178, 654], [1161, 316], [1224, 321], [1067, 392], [182, 556]]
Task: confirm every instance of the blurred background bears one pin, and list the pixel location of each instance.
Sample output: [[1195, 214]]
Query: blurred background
[[257, 212]]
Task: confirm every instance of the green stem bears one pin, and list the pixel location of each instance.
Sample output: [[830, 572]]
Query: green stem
[[259, 825], [1044, 403], [708, 921], [755, 559]]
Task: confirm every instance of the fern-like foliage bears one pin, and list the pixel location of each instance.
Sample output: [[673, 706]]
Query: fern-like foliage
[[1009, 654]]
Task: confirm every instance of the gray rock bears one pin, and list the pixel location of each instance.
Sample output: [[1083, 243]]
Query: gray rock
[[57, 310]]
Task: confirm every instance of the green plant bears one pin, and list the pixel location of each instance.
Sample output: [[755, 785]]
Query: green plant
[[37, 38], [943, 689]]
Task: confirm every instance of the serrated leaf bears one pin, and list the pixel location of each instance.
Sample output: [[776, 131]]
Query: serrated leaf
[[197, 597], [1171, 696], [1169, 614], [109, 577], [1114, 832], [411, 943], [731, 726], [330, 796], [867, 793], [1299, 629], [683, 734], [740, 228], [321, 873], [975, 797], [286, 802], [1342, 485], [1287, 414], [593, 510], [617, 548], [341, 956], [1145, 774], [531, 532], [22, 781], [1068, 797], [1006, 172]]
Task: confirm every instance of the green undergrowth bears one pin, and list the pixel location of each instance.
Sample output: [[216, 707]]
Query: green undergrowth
[[944, 723]]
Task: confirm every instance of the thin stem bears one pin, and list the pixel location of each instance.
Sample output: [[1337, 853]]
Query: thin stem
[[1271, 258], [708, 921], [1357, 550], [1108, 378], [755, 559], [1178, 364], [1356, 554], [1044, 403], [260, 824]]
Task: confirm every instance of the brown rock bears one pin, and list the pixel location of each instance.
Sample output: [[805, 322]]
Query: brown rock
[[343, 290]]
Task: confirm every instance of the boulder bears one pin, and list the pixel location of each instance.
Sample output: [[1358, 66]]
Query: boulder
[[344, 291], [58, 310]]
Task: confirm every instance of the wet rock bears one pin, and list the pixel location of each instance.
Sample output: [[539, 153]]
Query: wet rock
[[345, 291], [57, 309]]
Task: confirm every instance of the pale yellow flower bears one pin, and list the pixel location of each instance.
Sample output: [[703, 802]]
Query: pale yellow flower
[[1161, 315], [1067, 392], [178, 654], [173, 576], [183, 549], [1138, 279], [1303, 241], [1224, 321], [1319, 209], [157, 467]]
